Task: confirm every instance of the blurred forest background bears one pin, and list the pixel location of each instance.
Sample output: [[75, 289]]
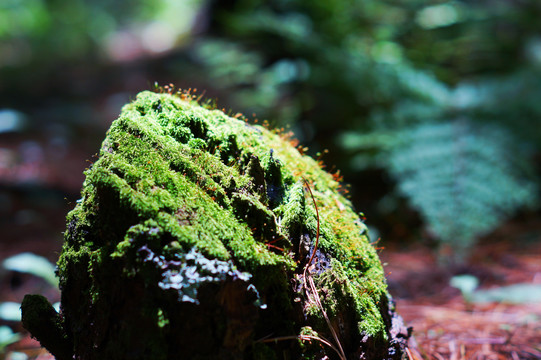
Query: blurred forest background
[[430, 109]]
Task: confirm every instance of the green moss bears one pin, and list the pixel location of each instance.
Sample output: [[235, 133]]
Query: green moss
[[41, 319], [173, 178]]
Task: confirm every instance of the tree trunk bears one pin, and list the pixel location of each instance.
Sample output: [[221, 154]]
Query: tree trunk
[[200, 236]]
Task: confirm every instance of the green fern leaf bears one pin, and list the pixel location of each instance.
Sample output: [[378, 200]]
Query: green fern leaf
[[464, 179]]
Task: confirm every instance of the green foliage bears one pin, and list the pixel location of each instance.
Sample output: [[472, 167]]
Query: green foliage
[[515, 294], [10, 311], [32, 264], [463, 179], [41, 34], [522, 293], [7, 336], [440, 95], [462, 160]]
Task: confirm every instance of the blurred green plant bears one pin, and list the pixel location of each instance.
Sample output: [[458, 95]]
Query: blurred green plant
[[42, 33], [32, 264], [7, 336], [463, 179], [522, 293], [11, 311], [441, 95]]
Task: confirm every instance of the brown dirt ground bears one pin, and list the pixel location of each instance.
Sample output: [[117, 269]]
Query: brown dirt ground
[[447, 327]]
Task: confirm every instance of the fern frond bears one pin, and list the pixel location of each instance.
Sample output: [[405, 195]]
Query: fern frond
[[462, 178]]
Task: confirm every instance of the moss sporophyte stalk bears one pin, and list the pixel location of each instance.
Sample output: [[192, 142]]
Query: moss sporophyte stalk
[[193, 239]]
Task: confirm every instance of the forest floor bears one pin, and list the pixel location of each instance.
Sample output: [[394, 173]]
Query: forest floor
[[445, 326]]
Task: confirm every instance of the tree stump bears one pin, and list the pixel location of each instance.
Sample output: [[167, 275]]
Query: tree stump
[[201, 236]]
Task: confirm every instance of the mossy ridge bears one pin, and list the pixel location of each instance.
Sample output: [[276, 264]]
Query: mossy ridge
[[182, 178]]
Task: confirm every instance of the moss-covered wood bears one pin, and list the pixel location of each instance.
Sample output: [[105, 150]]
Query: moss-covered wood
[[192, 238]]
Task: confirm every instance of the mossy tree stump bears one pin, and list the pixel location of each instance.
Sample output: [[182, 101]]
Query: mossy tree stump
[[193, 240]]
